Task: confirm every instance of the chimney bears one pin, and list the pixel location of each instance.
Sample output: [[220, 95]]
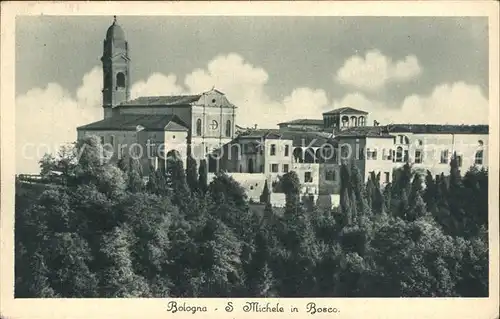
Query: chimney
[[375, 123], [255, 126]]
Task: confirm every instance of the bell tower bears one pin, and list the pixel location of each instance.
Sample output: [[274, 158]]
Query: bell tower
[[116, 69]]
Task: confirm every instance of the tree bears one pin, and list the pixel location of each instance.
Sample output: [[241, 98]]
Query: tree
[[135, 183], [203, 176], [117, 274], [220, 260], [68, 260], [291, 187], [176, 182], [265, 196], [192, 174]]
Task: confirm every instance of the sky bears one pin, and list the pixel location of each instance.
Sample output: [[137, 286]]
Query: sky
[[399, 69]]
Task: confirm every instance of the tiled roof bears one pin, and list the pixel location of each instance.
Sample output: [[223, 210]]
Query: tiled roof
[[176, 100], [130, 122], [365, 131], [349, 110], [175, 127], [304, 122], [299, 138], [438, 129]]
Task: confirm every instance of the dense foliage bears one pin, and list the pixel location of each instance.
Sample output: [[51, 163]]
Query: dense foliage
[[103, 233]]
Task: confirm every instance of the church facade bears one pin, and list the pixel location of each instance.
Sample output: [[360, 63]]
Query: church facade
[[155, 125]]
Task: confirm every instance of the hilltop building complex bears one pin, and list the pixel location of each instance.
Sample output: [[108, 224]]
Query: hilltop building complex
[[203, 125]]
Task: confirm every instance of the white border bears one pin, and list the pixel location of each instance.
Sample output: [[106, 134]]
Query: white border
[[156, 308]]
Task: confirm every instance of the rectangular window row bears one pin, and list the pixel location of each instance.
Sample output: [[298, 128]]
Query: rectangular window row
[[272, 151], [275, 168]]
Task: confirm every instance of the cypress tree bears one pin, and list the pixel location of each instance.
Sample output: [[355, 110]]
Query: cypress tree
[[346, 208], [176, 182], [203, 176], [135, 183], [265, 196], [192, 174]]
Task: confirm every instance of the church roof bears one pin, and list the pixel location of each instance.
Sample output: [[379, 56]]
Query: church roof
[[130, 122], [173, 100], [343, 110]]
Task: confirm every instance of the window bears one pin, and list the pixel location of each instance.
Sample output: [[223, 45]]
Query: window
[[198, 127], [406, 157], [112, 140], [361, 153], [345, 121], [478, 159], [420, 143], [308, 177], [287, 150], [386, 154], [285, 168], [120, 80], [273, 149], [387, 177], [444, 157], [228, 128], [371, 154], [330, 175], [399, 154], [361, 121], [274, 168], [354, 121], [459, 160], [418, 156], [403, 140], [102, 140]]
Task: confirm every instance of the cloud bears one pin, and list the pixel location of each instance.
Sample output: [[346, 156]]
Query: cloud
[[156, 84], [375, 70], [455, 103], [47, 118], [53, 113], [244, 85]]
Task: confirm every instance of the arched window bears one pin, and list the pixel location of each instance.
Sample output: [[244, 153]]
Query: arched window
[[345, 120], [228, 128], [318, 156], [309, 156], [361, 121], [478, 159], [298, 156], [419, 142], [399, 154], [354, 121], [120, 80], [198, 127], [174, 154]]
